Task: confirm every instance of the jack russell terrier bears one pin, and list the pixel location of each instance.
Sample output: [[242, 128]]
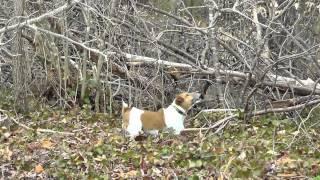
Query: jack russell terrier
[[135, 120]]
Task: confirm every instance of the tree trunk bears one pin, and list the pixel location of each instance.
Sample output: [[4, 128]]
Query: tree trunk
[[213, 15], [86, 54], [97, 79], [21, 68]]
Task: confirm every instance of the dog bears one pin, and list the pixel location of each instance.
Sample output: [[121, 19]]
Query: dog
[[135, 120]]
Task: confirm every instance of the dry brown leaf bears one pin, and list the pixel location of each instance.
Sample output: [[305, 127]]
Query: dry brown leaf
[[218, 150], [38, 169], [284, 160], [47, 144], [7, 153], [221, 177], [99, 142], [132, 173], [32, 146], [129, 174], [315, 169], [287, 175]]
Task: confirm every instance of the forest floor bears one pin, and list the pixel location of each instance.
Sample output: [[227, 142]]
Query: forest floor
[[93, 147]]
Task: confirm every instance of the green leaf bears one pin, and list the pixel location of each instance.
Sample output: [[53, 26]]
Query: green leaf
[[317, 177], [275, 122], [195, 163], [194, 177]]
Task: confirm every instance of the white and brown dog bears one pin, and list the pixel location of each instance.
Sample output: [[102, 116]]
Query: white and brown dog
[[135, 120]]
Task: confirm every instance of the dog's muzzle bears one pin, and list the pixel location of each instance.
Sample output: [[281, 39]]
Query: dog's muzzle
[[196, 97]]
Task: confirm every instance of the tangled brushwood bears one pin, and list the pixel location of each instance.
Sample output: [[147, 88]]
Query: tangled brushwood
[[254, 57], [250, 60]]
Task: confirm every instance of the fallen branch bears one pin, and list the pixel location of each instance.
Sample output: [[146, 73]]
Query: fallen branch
[[287, 109], [292, 102], [148, 60], [40, 129], [214, 111], [302, 90], [218, 110], [281, 82], [218, 123]]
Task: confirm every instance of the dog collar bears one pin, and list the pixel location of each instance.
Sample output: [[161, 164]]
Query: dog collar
[[179, 110]]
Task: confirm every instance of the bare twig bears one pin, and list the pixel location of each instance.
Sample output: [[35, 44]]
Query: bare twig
[[38, 19]]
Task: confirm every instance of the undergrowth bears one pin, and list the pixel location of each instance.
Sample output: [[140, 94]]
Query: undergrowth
[[267, 147]]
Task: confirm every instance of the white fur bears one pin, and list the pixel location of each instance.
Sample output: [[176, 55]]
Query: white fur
[[135, 124], [173, 119]]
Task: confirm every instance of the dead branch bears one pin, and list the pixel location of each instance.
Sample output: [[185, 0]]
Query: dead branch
[[284, 83], [40, 18], [218, 123], [287, 109], [40, 130]]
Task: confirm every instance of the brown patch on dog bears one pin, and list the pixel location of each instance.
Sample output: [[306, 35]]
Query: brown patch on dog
[[179, 100], [184, 100], [153, 120], [125, 117]]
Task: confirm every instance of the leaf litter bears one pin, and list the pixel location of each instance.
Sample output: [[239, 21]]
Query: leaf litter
[[98, 149]]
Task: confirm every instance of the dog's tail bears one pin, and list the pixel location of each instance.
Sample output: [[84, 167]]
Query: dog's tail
[[125, 107]]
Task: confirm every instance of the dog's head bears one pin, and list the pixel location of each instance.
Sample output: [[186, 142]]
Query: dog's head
[[187, 100]]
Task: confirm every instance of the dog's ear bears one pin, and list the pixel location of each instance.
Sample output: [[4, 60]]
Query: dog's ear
[[179, 100]]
